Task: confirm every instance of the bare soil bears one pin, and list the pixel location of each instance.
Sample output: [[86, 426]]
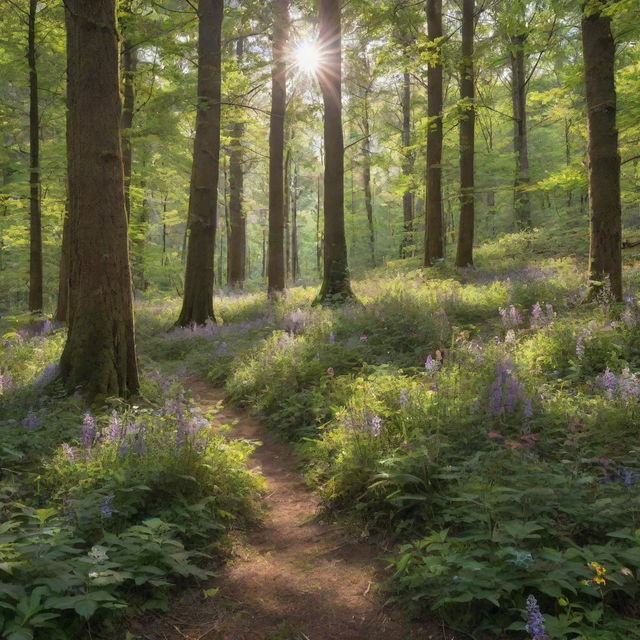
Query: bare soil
[[292, 578]]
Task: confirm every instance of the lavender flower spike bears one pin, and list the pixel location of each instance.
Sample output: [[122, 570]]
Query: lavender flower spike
[[535, 620]]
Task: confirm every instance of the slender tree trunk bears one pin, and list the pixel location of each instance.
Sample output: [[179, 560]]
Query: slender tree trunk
[[99, 356], [522, 203], [287, 213], [129, 67], [197, 305], [35, 217], [276, 263], [434, 240], [237, 246], [464, 257], [336, 286], [605, 255], [407, 169], [319, 243], [366, 178], [295, 258]]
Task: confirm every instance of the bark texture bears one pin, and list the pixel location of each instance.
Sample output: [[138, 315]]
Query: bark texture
[[129, 67], [521, 200], [605, 252], [336, 285], [408, 161], [100, 355], [197, 305], [237, 247], [466, 228], [276, 267], [35, 211], [434, 228]]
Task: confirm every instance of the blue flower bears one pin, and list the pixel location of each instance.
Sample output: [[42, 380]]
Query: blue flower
[[105, 506], [535, 620]]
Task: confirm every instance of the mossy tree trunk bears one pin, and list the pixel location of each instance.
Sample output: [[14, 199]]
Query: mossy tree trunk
[[197, 304], [605, 251], [99, 356], [336, 285]]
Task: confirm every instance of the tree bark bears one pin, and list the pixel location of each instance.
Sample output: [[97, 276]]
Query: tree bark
[[366, 176], [605, 255], [197, 305], [295, 257], [466, 229], [62, 306], [129, 67], [237, 246], [276, 268], [287, 212], [434, 240], [99, 356], [521, 203], [336, 285], [35, 211], [408, 162]]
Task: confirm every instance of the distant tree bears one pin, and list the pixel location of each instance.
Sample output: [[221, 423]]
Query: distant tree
[[99, 356], [336, 285], [197, 304], [434, 230], [276, 268], [35, 217], [599, 49], [466, 228], [237, 247], [408, 160]]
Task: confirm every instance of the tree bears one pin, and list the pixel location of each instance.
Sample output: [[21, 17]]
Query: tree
[[99, 356], [599, 50], [237, 247], [197, 304], [407, 164], [336, 285], [434, 236], [35, 217], [464, 256]]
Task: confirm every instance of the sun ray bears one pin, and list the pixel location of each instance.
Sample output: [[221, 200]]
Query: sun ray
[[307, 57]]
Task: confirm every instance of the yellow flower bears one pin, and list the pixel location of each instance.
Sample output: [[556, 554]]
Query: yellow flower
[[600, 573]]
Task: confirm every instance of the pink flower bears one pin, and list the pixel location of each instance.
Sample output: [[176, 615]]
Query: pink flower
[[494, 435], [363, 338]]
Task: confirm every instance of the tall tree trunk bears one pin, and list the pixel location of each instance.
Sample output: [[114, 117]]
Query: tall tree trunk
[[407, 169], [521, 203], [197, 305], [466, 229], [366, 176], [276, 262], [295, 258], [319, 243], [287, 213], [99, 356], [434, 241], [35, 217], [336, 286], [129, 67], [237, 246], [62, 306], [605, 255]]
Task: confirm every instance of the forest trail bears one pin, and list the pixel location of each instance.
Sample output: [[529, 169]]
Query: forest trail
[[293, 578]]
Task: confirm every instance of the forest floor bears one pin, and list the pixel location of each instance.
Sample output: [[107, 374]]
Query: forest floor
[[292, 578]]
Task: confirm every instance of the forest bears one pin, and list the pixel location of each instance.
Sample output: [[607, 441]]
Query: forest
[[319, 319]]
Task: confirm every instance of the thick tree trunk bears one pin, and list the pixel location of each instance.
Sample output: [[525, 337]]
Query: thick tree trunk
[[197, 305], [100, 355], [336, 286], [129, 67], [62, 306], [407, 241], [35, 217], [276, 262], [237, 246], [434, 232], [605, 255], [521, 202], [466, 229], [295, 257]]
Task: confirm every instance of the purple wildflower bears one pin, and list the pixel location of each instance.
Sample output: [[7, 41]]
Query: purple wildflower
[[535, 620], [609, 382], [115, 426], [507, 393], [510, 317], [296, 322], [404, 397], [363, 338], [583, 336], [375, 426], [68, 452], [88, 430], [105, 506], [6, 383], [32, 421], [431, 365]]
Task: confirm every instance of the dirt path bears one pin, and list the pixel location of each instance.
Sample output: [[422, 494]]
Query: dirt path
[[293, 578]]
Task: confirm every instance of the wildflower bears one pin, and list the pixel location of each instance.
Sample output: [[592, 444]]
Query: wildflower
[[47, 326], [583, 336], [98, 554], [88, 432], [48, 374], [507, 393], [535, 620], [330, 372], [542, 317], [600, 572], [32, 421], [494, 435], [431, 364], [510, 317], [375, 426], [115, 426], [68, 452], [297, 321], [609, 382], [404, 397], [6, 383], [363, 338], [105, 506]]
